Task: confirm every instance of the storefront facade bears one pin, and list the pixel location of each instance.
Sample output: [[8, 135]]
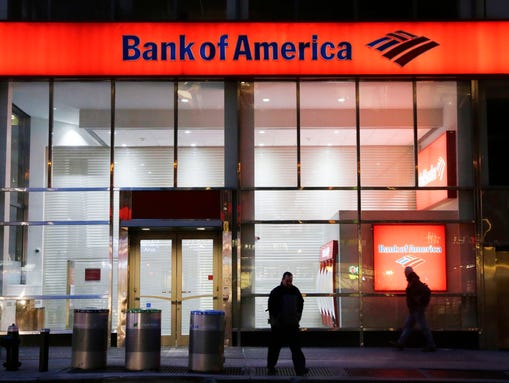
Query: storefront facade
[[185, 166]]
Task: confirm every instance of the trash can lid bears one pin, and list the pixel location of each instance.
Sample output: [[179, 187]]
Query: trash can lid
[[91, 310], [143, 311], [207, 312]]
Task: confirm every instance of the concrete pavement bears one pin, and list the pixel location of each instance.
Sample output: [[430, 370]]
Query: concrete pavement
[[247, 364]]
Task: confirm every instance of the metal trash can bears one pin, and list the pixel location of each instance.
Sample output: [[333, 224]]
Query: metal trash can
[[206, 341], [143, 339], [90, 338]]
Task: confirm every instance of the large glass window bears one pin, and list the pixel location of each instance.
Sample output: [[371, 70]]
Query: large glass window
[[328, 134], [399, 124], [200, 161], [275, 134], [144, 142], [81, 126]]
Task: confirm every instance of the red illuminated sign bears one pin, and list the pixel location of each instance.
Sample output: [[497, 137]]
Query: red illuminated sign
[[437, 167], [244, 48], [420, 246], [329, 251]]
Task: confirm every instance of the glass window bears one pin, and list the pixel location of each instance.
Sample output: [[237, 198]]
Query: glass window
[[437, 126], [303, 204], [75, 262], [294, 248], [322, 10], [144, 142], [202, 10], [386, 134], [81, 134], [328, 134], [80, 10], [147, 11], [385, 10], [30, 102], [496, 9], [200, 134], [275, 134]]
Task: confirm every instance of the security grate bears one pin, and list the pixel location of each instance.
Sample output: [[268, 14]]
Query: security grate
[[229, 371], [289, 371]]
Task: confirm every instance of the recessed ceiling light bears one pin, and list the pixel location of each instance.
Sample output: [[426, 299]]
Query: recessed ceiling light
[[341, 99], [145, 228], [265, 99]]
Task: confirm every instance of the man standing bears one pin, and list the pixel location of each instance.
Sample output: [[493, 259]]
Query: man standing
[[417, 299], [285, 310]]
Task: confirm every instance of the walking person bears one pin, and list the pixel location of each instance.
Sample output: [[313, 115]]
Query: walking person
[[285, 311], [417, 299]]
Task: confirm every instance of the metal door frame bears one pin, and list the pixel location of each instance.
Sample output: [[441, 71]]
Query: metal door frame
[[175, 300]]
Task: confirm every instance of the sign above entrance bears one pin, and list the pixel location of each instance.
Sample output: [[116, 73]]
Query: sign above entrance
[[243, 48]]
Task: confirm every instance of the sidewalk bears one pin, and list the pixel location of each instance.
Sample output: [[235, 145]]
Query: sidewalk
[[247, 364]]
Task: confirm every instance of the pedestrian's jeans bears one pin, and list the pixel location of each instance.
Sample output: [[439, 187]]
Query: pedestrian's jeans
[[290, 337], [416, 317]]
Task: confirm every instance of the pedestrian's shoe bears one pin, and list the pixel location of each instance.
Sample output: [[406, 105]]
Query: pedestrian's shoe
[[429, 349], [271, 371], [302, 372], [395, 343]]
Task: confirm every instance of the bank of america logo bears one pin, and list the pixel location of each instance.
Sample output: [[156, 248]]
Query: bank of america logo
[[409, 260], [402, 47]]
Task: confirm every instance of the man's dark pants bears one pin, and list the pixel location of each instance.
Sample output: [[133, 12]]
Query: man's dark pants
[[290, 337]]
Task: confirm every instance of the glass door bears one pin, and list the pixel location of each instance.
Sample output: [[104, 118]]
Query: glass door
[[175, 273]]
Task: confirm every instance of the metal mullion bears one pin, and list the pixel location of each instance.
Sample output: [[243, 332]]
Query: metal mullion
[[175, 133], [49, 163], [297, 101]]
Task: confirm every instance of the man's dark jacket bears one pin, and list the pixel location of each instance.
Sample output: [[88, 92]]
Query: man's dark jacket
[[285, 306], [415, 293]]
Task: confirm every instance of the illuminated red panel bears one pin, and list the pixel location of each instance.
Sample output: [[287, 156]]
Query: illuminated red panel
[[437, 167], [227, 48], [419, 246], [329, 251]]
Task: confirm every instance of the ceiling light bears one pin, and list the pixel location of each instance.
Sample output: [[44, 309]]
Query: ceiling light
[[265, 99], [341, 99]]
